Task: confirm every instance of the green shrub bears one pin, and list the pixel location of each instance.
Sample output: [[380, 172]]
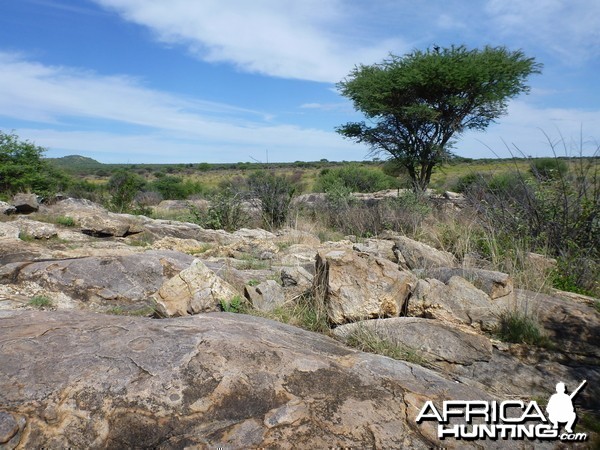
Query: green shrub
[[275, 194], [226, 211], [170, 187], [65, 221], [548, 168], [22, 169], [518, 327], [40, 301], [234, 305], [123, 186], [469, 182], [554, 216], [355, 178]]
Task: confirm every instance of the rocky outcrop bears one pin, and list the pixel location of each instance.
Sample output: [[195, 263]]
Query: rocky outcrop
[[266, 296], [195, 289], [495, 284], [436, 343], [25, 203], [355, 286], [296, 277], [77, 380], [35, 230], [381, 248], [7, 208], [101, 282], [416, 255], [8, 230], [456, 301]]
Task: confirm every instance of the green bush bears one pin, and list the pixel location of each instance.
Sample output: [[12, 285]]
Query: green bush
[[356, 178], [548, 168], [22, 169], [275, 193], [170, 187], [65, 221], [123, 186], [517, 327], [226, 211], [40, 301], [234, 305], [470, 181]]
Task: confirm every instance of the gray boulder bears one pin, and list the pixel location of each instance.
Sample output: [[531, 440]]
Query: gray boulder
[[416, 255], [79, 380], [7, 208], [495, 284], [34, 229], [355, 286], [377, 247], [437, 343], [456, 301], [296, 277], [266, 296], [26, 203], [101, 283], [8, 230], [195, 289]]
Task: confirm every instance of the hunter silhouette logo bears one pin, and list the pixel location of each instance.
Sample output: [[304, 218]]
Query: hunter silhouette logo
[[510, 419], [560, 407]]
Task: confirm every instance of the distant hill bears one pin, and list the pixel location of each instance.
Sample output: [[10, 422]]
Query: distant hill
[[75, 162]]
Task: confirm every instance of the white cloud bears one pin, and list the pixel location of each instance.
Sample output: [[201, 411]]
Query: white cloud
[[570, 29], [530, 130], [173, 128], [310, 39], [35, 92]]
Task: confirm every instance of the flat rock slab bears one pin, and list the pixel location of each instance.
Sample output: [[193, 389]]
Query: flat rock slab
[[416, 255], [495, 284], [109, 280], [432, 340], [83, 380]]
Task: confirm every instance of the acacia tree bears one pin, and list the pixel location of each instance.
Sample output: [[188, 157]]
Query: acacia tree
[[418, 103], [23, 169]]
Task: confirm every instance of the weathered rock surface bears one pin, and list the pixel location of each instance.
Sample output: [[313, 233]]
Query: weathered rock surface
[[434, 341], [573, 326], [195, 289], [25, 203], [80, 380], [266, 296], [101, 282], [355, 286], [416, 255], [34, 229], [7, 208], [297, 277], [495, 284], [456, 301], [9, 231], [381, 248]]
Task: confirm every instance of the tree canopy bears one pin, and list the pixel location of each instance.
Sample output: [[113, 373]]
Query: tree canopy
[[418, 103], [22, 169]]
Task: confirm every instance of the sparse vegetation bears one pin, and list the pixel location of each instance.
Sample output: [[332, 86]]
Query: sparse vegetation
[[233, 305], [367, 340], [520, 328], [65, 221], [40, 301], [302, 312]]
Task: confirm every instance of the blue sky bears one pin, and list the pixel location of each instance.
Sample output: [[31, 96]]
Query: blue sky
[[228, 80]]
